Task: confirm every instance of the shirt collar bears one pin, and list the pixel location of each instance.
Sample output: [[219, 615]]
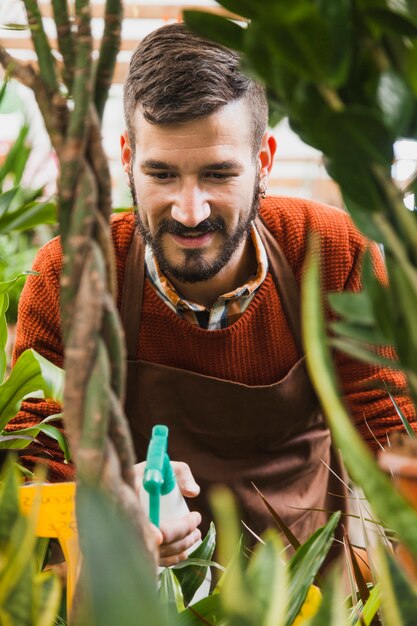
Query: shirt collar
[[168, 292]]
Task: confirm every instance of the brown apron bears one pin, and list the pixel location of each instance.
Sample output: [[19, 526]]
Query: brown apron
[[271, 435]]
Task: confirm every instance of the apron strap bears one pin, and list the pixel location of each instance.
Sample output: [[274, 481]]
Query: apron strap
[[132, 295], [285, 283], [133, 285]]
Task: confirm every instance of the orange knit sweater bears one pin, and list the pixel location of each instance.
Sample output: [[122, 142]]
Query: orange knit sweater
[[257, 349]]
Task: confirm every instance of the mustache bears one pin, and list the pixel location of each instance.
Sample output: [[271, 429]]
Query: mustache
[[176, 228]]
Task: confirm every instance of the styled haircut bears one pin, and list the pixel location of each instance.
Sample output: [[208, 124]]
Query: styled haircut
[[176, 76]]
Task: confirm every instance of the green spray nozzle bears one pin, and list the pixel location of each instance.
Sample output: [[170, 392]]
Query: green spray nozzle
[[159, 478]]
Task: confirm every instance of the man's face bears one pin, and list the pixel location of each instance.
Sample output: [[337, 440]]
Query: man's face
[[195, 186]]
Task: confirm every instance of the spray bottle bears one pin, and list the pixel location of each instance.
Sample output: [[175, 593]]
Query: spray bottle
[[160, 495]]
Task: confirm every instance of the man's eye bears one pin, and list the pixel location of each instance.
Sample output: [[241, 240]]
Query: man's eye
[[161, 175], [218, 175]]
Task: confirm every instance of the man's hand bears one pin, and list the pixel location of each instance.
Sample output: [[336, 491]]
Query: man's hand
[[176, 536]]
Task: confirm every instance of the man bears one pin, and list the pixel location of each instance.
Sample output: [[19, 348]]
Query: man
[[208, 273]]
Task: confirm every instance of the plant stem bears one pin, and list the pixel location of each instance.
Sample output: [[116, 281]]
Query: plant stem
[[47, 65], [110, 44], [65, 40]]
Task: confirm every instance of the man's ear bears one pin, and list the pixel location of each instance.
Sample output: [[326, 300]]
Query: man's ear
[[126, 154], [266, 154]]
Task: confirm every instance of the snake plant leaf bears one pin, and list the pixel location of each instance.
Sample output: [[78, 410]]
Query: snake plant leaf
[[125, 591], [215, 27], [170, 593], [9, 502], [332, 610], [267, 577], [235, 592], [31, 373], [48, 593], [372, 605], [191, 577], [409, 430], [387, 503], [398, 594], [4, 305], [305, 564]]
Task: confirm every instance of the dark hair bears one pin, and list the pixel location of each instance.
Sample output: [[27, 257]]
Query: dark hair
[[176, 76]]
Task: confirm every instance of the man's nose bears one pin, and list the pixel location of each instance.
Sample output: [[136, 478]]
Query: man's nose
[[190, 207]]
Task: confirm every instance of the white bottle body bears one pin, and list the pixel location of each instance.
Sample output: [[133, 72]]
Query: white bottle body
[[173, 506]]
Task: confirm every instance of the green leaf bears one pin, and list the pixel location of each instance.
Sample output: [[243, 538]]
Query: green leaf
[[170, 593], [353, 307], [23, 437], [29, 216], [386, 502], [193, 576], [125, 592], [371, 336], [332, 611], [12, 26], [403, 418], [209, 610], [398, 596], [359, 352], [215, 27], [243, 8], [16, 158], [392, 21], [364, 220], [337, 17], [396, 101], [4, 305], [372, 605], [9, 502], [6, 199], [48, 596], [268, 580], [305, 564], [31, 373]]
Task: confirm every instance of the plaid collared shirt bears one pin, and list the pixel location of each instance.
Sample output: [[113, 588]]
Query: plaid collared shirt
[[228, 307]]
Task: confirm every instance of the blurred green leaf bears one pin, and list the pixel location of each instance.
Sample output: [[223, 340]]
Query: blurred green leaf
[[125, 591], [267, 576], [245, 8], [409, 430], [392, 21], [191, 577], [215, 27], [305, 564], [396, 101], [32, 372], [386, 502], [209, 610], [372, 605], [353, 307], [398, 595], [29, 216], [16, 158], [12, 26], [338, 19], [4, 304], [332, 611]]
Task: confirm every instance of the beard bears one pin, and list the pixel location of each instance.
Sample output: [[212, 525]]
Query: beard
[[195, 268]]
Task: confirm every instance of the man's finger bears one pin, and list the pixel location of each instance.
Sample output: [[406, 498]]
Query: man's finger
[[185, 479], [177, 529]]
